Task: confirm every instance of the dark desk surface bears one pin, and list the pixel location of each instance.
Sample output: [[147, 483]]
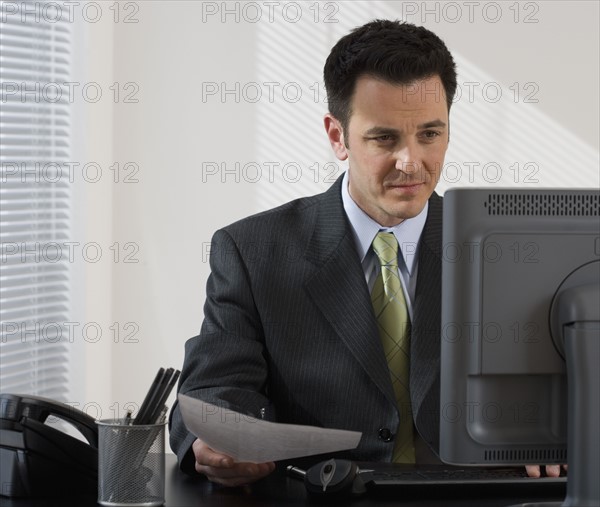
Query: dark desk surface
[[281, 491]]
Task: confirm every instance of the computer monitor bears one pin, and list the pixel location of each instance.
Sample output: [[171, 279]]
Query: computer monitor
[[520, 345]]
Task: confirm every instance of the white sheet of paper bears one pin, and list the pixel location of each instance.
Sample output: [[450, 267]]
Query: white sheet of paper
[[247, 439]]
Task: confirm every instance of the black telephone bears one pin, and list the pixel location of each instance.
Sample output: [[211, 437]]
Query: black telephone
[[38, 460]]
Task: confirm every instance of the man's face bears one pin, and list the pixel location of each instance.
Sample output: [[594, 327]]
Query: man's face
[[395, 144]]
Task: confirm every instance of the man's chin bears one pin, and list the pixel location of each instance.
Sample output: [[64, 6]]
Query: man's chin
[[408, 210]]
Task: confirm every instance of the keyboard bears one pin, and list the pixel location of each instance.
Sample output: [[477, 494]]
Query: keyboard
[[385, 475]]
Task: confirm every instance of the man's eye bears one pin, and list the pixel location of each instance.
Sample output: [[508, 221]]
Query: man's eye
[[384, 138], [431, 134]]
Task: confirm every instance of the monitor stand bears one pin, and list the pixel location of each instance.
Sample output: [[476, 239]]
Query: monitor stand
[[575, 326]]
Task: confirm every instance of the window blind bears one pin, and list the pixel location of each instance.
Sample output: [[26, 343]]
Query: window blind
[[35, 69]]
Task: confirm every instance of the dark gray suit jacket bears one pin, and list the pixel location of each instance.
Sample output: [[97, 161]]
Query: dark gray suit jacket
[[289, 327]]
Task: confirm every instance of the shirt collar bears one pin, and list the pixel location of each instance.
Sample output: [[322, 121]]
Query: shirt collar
[[364, 228]]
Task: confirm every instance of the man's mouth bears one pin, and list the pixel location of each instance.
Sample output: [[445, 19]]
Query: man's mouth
[[407, 185], [405, 189]]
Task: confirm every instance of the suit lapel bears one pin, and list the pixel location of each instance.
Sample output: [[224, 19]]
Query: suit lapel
[[339, 289]]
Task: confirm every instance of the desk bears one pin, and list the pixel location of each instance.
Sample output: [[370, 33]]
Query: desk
[[281, 491]]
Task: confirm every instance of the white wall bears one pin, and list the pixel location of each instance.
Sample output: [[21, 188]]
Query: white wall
[[92, 288], [166, 218]]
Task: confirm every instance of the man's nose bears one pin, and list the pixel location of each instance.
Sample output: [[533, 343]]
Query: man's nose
[[407, 159]]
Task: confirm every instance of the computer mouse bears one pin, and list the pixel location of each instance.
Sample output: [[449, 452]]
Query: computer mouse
[[334, 477]]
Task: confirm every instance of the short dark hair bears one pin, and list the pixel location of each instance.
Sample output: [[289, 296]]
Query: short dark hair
[[393, 51]]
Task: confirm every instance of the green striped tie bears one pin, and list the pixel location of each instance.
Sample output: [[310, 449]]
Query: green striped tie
[[394, 329]]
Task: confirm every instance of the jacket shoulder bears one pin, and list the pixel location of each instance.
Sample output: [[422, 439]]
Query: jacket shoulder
[[292, 217]]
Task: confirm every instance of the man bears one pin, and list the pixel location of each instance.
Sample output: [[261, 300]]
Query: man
[[290, 330]]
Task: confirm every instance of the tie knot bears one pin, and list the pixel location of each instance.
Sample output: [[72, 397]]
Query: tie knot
[[385, 246]]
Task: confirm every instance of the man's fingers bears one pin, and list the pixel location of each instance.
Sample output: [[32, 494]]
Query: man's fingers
[[222, 469], [206, 456], [551, 470]]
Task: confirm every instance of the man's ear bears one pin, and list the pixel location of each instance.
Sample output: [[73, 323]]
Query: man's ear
[[335, 133]]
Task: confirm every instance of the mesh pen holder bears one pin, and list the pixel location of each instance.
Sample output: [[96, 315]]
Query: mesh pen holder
[[131, 464]]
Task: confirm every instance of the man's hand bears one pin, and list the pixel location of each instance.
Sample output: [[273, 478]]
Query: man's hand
[[223, 470], [551, 470]]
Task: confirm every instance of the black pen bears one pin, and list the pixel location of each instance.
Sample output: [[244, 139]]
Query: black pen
[[296, 472], [153, 403], [147, 400], [168, 385]]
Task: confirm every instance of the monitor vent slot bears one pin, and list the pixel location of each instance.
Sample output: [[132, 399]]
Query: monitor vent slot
[[541, 204], [525, 455]]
